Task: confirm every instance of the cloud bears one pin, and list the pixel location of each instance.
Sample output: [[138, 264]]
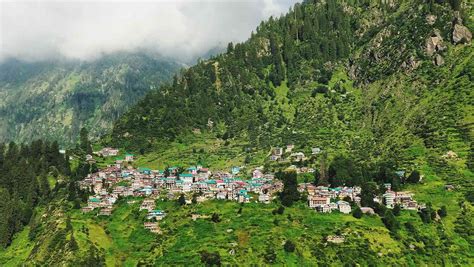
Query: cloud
[[181, 29]]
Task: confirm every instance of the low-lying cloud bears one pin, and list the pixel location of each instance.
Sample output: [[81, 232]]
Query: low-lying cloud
[[181, 29]]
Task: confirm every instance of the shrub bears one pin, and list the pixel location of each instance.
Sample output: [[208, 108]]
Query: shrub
[[210, 258], [442, 212], [289, 246], [215, 218], [414, 177], [357, 213]]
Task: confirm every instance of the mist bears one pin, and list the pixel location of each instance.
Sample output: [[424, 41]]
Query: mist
[[43, 30]]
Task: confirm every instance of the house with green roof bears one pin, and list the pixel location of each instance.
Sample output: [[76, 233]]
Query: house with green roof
[[129, 157]]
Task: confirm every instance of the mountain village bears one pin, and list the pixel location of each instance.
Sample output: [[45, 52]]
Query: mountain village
[[198, 184]]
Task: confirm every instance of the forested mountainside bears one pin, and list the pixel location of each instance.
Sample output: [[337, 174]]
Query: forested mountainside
[[380, 87], [360, 77], [53, 100], [28, 175], [364, 80]]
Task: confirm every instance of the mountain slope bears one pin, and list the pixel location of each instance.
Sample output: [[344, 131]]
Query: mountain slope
[[344, 77], [369, 82], [54, 100]]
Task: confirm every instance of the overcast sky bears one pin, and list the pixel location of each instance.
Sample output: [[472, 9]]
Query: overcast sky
[[38, 30]]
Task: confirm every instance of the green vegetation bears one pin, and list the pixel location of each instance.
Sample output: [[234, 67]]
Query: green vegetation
[[24, 182], [256, 235], [353, 78]]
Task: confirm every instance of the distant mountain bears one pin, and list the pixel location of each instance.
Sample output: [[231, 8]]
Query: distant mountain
[[53, 100]]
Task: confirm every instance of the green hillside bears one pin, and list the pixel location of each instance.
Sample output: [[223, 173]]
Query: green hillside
[[379, 86], [55, 99]]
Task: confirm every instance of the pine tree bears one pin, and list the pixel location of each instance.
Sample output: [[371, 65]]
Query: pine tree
[[182, 200], [6, 210], [73, 243], [84, 141], [290, 192], [390, 221], [396, 210], [44, 186]]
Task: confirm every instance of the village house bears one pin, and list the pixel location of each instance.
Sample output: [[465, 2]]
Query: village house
[[152, 227], [257, 173], [344, 207], [367, 210], [94, 202], [221, 195], [389, 199], [87, 209], [129, 157], [90, 159], [235, 170], [315, 150], [264, 198], [326, 208], [277, 151], [298, 156], [105, 211], [289, 148], [186, 178], [315, 201], [156, 214], [336, 239], [274, 157], [108, 152], [148, 204]]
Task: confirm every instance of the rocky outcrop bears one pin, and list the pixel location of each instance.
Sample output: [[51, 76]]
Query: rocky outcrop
[[461, 34], [434, 44]]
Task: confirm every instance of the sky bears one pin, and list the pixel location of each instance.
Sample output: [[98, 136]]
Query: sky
[[85, 30]]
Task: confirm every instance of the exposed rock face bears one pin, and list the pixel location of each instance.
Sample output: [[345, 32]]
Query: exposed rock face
[[438, 60], [461, 34], [434, 44]]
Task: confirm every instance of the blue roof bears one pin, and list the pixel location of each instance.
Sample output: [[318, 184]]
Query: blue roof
[[185, 175], [157, 212], [211, 181]]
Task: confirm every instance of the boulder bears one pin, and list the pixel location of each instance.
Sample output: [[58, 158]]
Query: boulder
[[438, 60], [461, 34], [434, 44]]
